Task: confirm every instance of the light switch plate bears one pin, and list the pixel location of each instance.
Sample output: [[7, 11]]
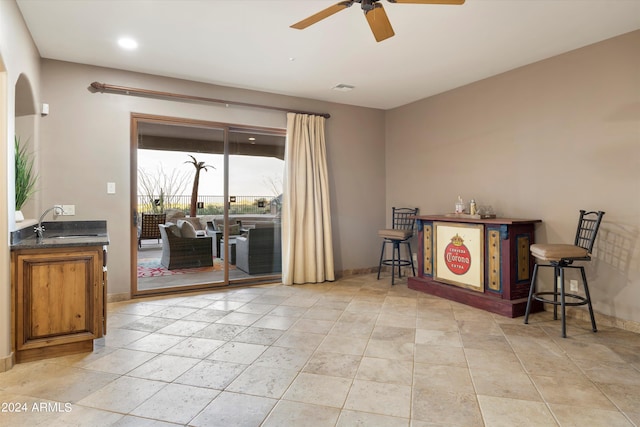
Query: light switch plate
[[111, 188]]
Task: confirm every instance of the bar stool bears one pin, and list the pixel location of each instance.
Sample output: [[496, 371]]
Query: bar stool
[[559, 257], [401, 231]]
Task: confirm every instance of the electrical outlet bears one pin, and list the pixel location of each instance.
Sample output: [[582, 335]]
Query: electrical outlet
[[558, 283], [69, 209], [573, 285]]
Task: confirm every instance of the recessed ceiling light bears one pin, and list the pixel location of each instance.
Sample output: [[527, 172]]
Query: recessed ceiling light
[[343, 87], [127, 43]]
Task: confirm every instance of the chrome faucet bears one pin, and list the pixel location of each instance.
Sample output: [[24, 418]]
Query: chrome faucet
[[40, 228]]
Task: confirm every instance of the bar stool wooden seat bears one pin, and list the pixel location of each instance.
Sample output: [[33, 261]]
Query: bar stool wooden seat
[[559, 257], [402, 230]]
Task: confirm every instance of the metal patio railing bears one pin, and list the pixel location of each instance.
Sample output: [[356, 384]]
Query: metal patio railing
[[210, 205]]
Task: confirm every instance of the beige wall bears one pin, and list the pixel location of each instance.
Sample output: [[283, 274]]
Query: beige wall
[[18, 56], [542, 141], [508, 141], [85, 144]]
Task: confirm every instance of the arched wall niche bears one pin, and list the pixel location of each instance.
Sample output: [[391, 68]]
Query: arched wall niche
[[25, 130], [25, 104]]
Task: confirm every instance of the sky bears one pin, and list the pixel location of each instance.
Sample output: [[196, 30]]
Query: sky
[[248, 175]]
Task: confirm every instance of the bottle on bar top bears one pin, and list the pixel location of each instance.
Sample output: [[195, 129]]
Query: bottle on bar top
[[459, 206]]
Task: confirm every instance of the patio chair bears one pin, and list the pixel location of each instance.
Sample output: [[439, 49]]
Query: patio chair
[[260, 251], [183, 250], [149, 227]]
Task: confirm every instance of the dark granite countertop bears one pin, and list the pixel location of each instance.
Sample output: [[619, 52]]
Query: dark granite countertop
[[59, 234]]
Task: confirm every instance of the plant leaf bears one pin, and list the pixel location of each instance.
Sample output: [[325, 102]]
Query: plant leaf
[[25, 176]]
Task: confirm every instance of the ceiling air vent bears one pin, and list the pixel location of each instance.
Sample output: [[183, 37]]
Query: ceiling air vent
[[343, 87]]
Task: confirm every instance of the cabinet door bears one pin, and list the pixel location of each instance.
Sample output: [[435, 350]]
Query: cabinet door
[[58, 297]]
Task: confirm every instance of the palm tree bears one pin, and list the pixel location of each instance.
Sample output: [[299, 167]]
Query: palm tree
[[196, 181]]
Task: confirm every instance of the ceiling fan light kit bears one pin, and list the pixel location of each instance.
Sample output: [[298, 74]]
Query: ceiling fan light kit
[[374, 13]]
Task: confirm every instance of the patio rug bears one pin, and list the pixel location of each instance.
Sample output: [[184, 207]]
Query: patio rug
[[152, 268]]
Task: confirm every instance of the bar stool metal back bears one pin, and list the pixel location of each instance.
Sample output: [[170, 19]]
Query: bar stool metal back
[[402, 230], [559, 257]]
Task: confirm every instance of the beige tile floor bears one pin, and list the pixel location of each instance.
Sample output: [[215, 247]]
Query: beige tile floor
[[355, 352]]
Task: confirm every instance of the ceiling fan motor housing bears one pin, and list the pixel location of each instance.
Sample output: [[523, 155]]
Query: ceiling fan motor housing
[[368, 5]]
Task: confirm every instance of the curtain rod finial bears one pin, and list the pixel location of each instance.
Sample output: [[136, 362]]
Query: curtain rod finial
[[97, 87]]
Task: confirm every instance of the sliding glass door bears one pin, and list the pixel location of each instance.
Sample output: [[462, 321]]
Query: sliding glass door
[[206, 204], [256, 168]]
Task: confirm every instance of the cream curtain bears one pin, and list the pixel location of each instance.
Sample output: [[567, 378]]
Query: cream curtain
[[307, 246]]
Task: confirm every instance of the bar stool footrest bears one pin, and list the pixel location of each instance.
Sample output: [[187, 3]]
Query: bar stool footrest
[[396, 262], [580, 299]]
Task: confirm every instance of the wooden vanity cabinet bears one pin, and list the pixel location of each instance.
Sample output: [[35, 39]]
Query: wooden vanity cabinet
[[59, 300]]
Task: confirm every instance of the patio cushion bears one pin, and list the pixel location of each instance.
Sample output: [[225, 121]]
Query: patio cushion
[[174, 215], [186, 229], [195, 221], [173, 228], [219, 224]]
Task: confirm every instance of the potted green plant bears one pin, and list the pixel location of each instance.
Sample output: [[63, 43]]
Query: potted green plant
[[26, 177]]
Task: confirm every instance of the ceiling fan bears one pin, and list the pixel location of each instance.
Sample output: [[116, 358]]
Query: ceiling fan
[[373, 11]]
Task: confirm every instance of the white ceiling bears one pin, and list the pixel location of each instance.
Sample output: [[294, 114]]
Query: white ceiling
[[248, 43]]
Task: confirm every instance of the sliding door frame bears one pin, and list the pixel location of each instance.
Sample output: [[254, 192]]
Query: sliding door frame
[[137, 118]]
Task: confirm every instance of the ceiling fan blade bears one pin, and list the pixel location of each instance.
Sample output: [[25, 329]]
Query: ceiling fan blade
[[322, 14], [379, 23], [428, 1]]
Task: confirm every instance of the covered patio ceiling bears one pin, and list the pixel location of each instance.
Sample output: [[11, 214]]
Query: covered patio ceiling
[[199, 139]]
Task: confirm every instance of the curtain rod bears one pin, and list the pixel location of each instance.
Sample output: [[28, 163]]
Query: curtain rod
[[103, 87]]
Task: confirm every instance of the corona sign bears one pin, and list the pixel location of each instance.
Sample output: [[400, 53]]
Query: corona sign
[[456, 256], [459, 254]]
